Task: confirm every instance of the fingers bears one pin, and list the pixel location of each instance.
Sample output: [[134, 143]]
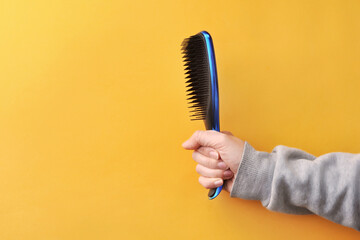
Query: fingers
[[210, 182], [208, 138], [208, 145], [213, 173], [208, 162]]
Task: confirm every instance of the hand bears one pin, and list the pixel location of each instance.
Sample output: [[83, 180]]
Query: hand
[[218, 155]]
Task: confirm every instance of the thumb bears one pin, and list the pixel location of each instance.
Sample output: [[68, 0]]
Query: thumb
[[208, 138]]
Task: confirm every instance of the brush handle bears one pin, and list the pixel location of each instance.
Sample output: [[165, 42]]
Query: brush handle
[[212, 120], [214, 192]]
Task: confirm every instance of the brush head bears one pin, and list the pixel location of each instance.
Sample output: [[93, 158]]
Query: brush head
[[201, 79], [197, 76]]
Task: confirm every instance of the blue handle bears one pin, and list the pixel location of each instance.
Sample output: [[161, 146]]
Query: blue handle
[[216, 192], [212, 121]]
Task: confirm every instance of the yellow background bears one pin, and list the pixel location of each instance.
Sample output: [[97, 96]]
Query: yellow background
[[93, 112]]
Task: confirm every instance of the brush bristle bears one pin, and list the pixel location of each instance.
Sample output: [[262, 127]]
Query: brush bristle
[[197, 75]]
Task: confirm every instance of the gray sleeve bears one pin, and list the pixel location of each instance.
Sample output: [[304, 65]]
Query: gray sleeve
[[292, 181]]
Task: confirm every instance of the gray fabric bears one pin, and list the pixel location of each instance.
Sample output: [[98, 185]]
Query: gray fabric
[[292, 181]]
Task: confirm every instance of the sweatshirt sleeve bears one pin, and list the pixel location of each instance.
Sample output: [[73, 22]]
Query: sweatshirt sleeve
[[292, 181]]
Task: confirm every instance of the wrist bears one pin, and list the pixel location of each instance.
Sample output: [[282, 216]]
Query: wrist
[[254, 175]]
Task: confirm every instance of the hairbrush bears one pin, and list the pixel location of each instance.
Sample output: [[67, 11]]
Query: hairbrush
[[202, 85]]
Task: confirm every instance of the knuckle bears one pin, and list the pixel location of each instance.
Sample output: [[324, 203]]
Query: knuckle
[[204, 183], [200, 180], [198, 158], [194, 155], [224, 137], [197, 133], [228, 133], [198, 169]]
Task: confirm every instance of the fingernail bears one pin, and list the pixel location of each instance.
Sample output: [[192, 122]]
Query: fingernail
[[214, 155], [222, 165], [218, 183], [227, 173]]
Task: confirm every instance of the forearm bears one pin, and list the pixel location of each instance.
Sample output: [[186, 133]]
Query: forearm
[[292, 181]]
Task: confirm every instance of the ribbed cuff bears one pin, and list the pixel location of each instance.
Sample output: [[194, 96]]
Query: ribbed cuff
[[254, 177]]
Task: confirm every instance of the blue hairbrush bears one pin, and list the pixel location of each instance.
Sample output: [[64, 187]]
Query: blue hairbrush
[[202, 85]]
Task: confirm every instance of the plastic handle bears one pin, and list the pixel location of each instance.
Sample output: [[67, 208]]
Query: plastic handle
[[214, 192], [212, 121]]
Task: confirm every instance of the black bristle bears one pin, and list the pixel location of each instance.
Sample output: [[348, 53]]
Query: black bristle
[[197, 75]]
